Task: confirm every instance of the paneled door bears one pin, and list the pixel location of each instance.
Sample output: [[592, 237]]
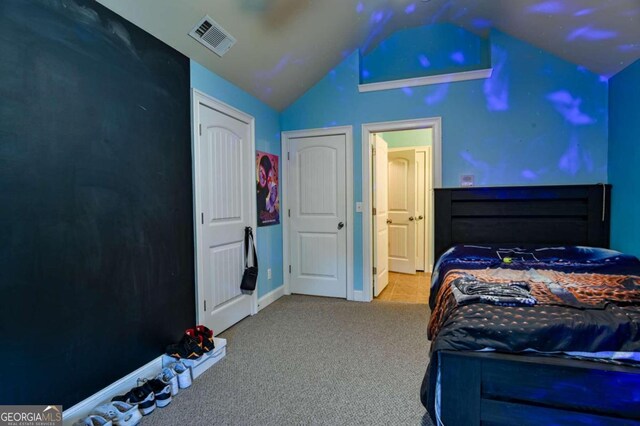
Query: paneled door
[[402, 211], [381, 216], [317, 224], [225, 187]]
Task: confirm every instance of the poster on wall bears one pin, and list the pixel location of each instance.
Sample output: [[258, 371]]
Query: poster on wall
[[268, 199]]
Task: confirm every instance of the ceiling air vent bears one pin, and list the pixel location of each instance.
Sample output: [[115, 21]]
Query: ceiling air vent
[[213, 36]]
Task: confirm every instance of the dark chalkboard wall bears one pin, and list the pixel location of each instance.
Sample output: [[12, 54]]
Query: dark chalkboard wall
[[96, 221]]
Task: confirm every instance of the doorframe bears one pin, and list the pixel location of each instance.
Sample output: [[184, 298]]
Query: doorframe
[[347, 131], [427, 150], [198, 97], [368, 129]]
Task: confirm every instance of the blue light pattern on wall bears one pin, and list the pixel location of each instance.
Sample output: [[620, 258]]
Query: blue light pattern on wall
[[504, 130]]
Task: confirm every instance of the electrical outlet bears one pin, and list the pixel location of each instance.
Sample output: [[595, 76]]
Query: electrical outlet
[[269, 273], [359, 207]]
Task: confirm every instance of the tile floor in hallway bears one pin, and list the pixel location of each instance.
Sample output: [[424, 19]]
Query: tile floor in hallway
[[407, 288]]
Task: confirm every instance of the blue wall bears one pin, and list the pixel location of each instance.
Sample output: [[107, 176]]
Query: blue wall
[[267, 124], [427, 50], [624, 159], [538, 120]]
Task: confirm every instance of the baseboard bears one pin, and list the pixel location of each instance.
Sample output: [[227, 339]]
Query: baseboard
[[270, 297], [84, 407]]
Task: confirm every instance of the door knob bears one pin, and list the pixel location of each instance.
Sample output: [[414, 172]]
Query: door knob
[[411, 218], [340, 225], [420, 217], [389, 221]]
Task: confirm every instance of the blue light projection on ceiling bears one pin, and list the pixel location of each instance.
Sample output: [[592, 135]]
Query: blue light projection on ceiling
[[550, 7], [410, 8], [569, 107], [591, 34], [584, 12]]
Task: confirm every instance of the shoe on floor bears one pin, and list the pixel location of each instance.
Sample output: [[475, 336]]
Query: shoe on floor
[[207, 337], [161, 390], [184, 374], [189, 347], [119, 413], [170, 376], [141, 396], [93, 420]]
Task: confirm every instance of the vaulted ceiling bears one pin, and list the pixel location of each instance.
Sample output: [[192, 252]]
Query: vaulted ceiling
[[285, 46]]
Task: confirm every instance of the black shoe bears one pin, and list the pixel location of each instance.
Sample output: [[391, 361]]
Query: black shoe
[[207, 337], [189, 347], [161, 390], [142, 396]]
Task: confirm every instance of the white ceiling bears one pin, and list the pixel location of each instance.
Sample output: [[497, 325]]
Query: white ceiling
[[285, 46]]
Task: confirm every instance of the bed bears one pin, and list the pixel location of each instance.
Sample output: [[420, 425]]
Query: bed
[[572, 357]]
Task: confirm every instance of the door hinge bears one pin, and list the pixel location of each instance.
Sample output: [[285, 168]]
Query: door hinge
[[374, 211], [205, 306], [375, 271], [202, 217], [374, 151], [289, 212], [288, 156], [200, 125], [289, 268]]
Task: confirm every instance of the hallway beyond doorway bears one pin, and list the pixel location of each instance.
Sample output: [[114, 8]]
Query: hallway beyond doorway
[[407, 288]]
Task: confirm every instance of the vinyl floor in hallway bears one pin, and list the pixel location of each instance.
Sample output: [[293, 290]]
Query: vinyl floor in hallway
[[407, 288]]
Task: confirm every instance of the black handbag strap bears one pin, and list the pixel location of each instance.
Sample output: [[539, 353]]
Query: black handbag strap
[[249, 246]]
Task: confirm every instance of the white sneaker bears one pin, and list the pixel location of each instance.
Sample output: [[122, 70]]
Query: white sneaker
[[169, 376], [93, 420], [184, 374], [120, 413]]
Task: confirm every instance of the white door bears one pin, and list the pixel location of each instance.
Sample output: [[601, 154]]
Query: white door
[[225, 185], [317, 226], [381, 216], [402, 211], [421, 197]]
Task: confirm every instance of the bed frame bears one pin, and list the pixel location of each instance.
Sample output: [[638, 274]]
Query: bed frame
[[507, 389]]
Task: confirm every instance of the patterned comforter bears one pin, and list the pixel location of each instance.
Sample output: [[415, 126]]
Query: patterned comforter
[[588, 300]]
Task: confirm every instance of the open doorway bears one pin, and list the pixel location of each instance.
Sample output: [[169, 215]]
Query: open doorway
[[400, 183], [404, 166]]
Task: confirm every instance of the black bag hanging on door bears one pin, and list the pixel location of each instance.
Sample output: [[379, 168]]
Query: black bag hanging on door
[[250, 276]]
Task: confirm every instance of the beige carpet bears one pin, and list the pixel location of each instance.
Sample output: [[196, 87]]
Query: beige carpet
[[312, 360]]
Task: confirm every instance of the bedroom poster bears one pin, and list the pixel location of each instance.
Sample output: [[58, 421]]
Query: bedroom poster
[[268, 199]]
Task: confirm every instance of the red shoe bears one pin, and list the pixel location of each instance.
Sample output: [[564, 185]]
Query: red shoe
[[207, 337]]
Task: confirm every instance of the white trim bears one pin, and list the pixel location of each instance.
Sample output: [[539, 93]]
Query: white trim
[[368, 129], [123, 385], [197, 98], [327, 131], [358, 296], [426, 81], [270, 297]]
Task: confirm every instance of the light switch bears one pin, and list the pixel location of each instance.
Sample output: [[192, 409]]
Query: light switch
[[269, 273]]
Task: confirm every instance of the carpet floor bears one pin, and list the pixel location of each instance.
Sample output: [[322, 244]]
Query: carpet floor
[[313, 360]]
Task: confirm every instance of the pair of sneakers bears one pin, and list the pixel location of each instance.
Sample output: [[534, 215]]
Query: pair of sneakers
[[179, 376], [149, 394], [116, 413], [194, 343]]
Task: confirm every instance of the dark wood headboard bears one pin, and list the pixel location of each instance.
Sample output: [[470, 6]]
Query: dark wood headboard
[[527, 215]]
